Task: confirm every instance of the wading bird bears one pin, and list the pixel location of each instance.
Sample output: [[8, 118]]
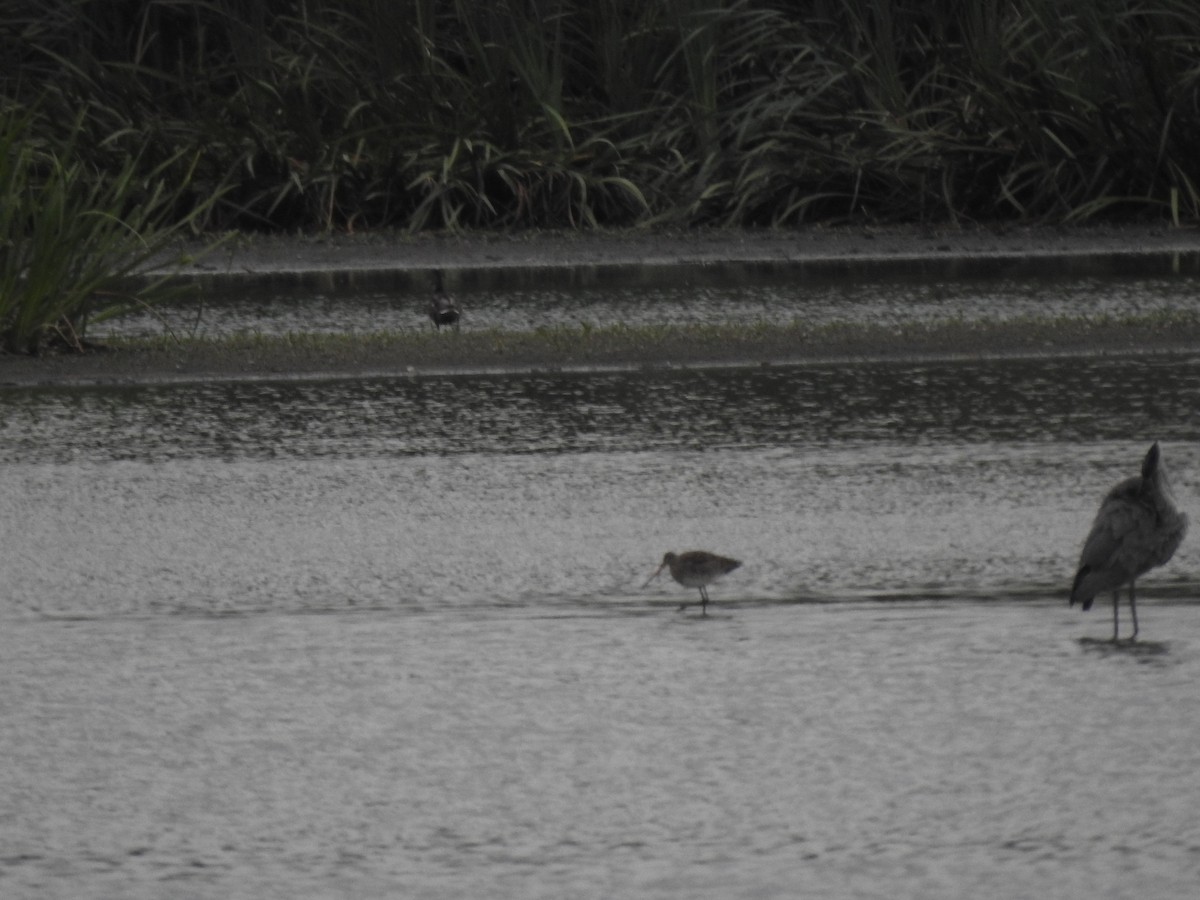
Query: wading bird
[[1137, 529], [696, 568], [442, 309]]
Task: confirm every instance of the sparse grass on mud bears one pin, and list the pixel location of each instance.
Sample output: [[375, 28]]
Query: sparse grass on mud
[[416, 353]]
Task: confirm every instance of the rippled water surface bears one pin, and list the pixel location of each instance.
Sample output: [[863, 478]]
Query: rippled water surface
[[389, 637]]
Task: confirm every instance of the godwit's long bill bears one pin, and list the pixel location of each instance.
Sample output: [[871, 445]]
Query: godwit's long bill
[[1137, 529], [696, 568]]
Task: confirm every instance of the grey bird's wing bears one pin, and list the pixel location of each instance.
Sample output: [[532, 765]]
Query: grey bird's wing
[[1117, 545]]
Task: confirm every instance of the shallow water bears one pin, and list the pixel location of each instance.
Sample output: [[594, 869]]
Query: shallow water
[[893, 301], [382, 637]]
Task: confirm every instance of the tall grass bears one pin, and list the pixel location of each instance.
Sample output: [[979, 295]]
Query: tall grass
[[71, 234], [359, 114]]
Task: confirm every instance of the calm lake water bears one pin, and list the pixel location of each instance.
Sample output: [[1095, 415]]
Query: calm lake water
[[383, 638]]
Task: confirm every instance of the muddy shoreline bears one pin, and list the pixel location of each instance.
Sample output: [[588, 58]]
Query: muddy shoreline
[[482, 261]]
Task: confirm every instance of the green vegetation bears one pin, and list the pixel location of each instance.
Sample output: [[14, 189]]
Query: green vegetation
[[71, 234], [124, 121], [418, 114]]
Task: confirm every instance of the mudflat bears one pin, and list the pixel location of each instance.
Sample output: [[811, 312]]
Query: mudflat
[[493, 260]]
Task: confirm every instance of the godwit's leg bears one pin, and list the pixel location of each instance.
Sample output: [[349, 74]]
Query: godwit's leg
[[1133, 610], [703, 601], [1116, 600]]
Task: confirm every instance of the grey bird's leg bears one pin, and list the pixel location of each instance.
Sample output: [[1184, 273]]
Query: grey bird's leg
[[1133, 609]]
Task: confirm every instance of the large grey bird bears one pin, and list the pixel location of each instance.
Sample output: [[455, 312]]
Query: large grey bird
[[1137, 529], [698, 569]]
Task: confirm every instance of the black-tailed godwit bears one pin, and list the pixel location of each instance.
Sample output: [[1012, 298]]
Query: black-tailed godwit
[[698, 569]]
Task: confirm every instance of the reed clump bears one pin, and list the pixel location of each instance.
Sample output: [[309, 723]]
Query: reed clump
[[76, 221], [360, 114]]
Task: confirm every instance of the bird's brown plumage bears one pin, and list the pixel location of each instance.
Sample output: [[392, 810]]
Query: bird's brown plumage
[[442, 308], [696, 568]]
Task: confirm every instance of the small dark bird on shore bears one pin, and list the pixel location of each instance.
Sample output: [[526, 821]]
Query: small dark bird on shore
[[1137, 529], [442, 309], [698, 569]]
